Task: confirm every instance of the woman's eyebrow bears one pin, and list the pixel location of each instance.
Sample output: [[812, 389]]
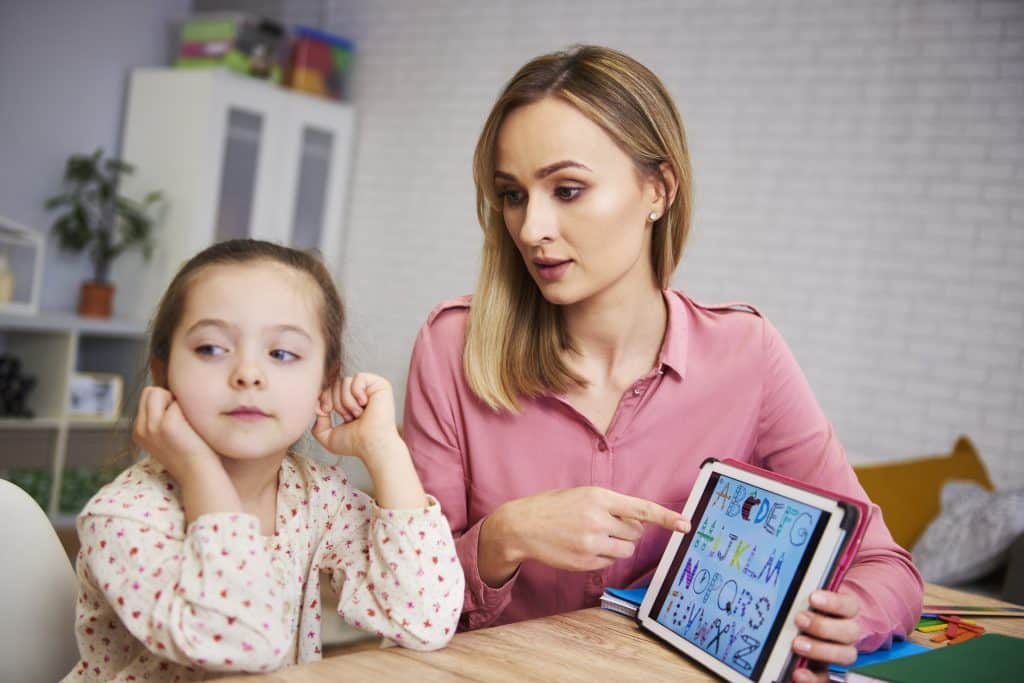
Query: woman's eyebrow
[[544, 172], [558, 166]]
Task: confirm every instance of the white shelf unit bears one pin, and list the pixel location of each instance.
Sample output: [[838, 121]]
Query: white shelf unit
[[233, 157], [52, 346]]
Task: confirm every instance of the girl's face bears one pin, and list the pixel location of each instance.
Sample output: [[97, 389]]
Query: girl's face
[[247, 358], [573, 203]]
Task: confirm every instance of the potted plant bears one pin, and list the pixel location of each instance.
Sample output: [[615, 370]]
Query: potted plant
[[94, 216]]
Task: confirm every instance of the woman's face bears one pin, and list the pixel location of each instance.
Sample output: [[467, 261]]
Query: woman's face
[[573, 203]]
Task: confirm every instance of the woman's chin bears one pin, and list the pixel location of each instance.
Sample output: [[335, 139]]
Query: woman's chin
[[559, 293]]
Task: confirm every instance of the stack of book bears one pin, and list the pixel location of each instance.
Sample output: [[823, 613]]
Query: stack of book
[[623, 600]]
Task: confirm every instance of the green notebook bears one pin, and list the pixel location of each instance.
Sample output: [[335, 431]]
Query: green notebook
[[990, 658]]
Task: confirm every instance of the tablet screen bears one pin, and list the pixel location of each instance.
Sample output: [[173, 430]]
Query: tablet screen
[[737, 571]]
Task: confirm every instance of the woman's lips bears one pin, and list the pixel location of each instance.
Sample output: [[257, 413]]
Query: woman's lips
[[552, 270]]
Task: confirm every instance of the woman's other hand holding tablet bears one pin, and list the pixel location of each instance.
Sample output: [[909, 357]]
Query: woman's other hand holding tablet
[[577, 529], [828, 635]]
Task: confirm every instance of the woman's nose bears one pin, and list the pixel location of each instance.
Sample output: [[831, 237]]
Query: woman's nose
[[540, 223]]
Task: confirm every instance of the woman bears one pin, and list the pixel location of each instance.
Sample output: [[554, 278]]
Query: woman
[[571, 401]]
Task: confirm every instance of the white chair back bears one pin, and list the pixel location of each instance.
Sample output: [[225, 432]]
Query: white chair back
[[38, 590]]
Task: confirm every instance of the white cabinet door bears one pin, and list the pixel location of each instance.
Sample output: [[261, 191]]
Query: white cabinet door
[[234, 157], [248, 122], [317, 145]]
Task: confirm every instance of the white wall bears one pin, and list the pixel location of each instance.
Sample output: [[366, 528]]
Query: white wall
[[63, 70], [859, 168]]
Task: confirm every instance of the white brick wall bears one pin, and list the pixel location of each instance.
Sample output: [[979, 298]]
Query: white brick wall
[[859, 170]]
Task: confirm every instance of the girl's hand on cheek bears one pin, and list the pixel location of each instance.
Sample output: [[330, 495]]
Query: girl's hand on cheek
[[367, 406], [162, 431]]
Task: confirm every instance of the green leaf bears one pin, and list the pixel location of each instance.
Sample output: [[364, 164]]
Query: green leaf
[[59, 200], [80, 169], [117, 166], [72, 233], [95, 217]]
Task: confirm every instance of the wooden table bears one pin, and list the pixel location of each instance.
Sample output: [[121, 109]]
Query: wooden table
[[588, 645]]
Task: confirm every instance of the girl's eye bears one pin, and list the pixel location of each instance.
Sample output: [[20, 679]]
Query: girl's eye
[[568, 193], [282, 355], [210, 350], [513, 197]]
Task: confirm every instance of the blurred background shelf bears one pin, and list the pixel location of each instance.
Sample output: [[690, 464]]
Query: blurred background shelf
[[59, 458], [20, 423]]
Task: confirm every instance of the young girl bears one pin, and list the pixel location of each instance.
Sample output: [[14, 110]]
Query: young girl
[[207, 555]]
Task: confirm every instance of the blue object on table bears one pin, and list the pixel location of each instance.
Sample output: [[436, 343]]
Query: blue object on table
[[633, 595], [899, 649]]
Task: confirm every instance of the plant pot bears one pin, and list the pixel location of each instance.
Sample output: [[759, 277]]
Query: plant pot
[[96, 300]]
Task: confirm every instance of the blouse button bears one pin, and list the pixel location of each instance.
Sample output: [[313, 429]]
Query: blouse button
[[602, 446], [637, 391]]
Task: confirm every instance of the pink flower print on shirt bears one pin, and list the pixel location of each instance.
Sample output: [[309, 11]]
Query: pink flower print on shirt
[[224, 556]]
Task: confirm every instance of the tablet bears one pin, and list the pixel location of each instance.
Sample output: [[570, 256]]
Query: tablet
[[726, 593]]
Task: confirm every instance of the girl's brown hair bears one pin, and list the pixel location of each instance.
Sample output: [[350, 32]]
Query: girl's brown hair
[[516, 341], [236, 252]]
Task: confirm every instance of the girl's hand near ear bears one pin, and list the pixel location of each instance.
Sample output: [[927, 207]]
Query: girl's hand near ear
[[367, 406], [162, 431]]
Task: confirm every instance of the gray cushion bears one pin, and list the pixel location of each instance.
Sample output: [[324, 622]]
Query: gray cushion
[[971, 535]]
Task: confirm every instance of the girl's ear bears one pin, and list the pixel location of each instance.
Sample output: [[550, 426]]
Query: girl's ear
[[332, 375], [158, 372]]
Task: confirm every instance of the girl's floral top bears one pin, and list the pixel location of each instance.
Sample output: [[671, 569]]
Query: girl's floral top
[[162, 602]]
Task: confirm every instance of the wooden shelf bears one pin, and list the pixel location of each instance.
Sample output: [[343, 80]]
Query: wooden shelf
[[24, 423], [63, 321], [52, 346], [120, 423]]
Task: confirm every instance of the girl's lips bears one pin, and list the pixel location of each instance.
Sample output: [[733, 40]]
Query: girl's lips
[[552, 270], [247, 413]]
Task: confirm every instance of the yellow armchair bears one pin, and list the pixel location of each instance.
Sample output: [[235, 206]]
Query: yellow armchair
[[908, 490]]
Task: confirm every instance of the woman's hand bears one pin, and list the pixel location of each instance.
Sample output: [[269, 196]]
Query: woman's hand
[[367, 405], [828, 635], [162, 431], [578, 529]]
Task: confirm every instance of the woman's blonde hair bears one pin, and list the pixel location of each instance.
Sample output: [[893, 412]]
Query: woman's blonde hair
[[516, 341]]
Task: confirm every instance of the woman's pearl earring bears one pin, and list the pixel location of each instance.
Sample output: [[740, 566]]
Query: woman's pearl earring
[[653, 216]]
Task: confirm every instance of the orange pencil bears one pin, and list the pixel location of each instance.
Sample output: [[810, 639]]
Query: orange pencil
[[966, 635]]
